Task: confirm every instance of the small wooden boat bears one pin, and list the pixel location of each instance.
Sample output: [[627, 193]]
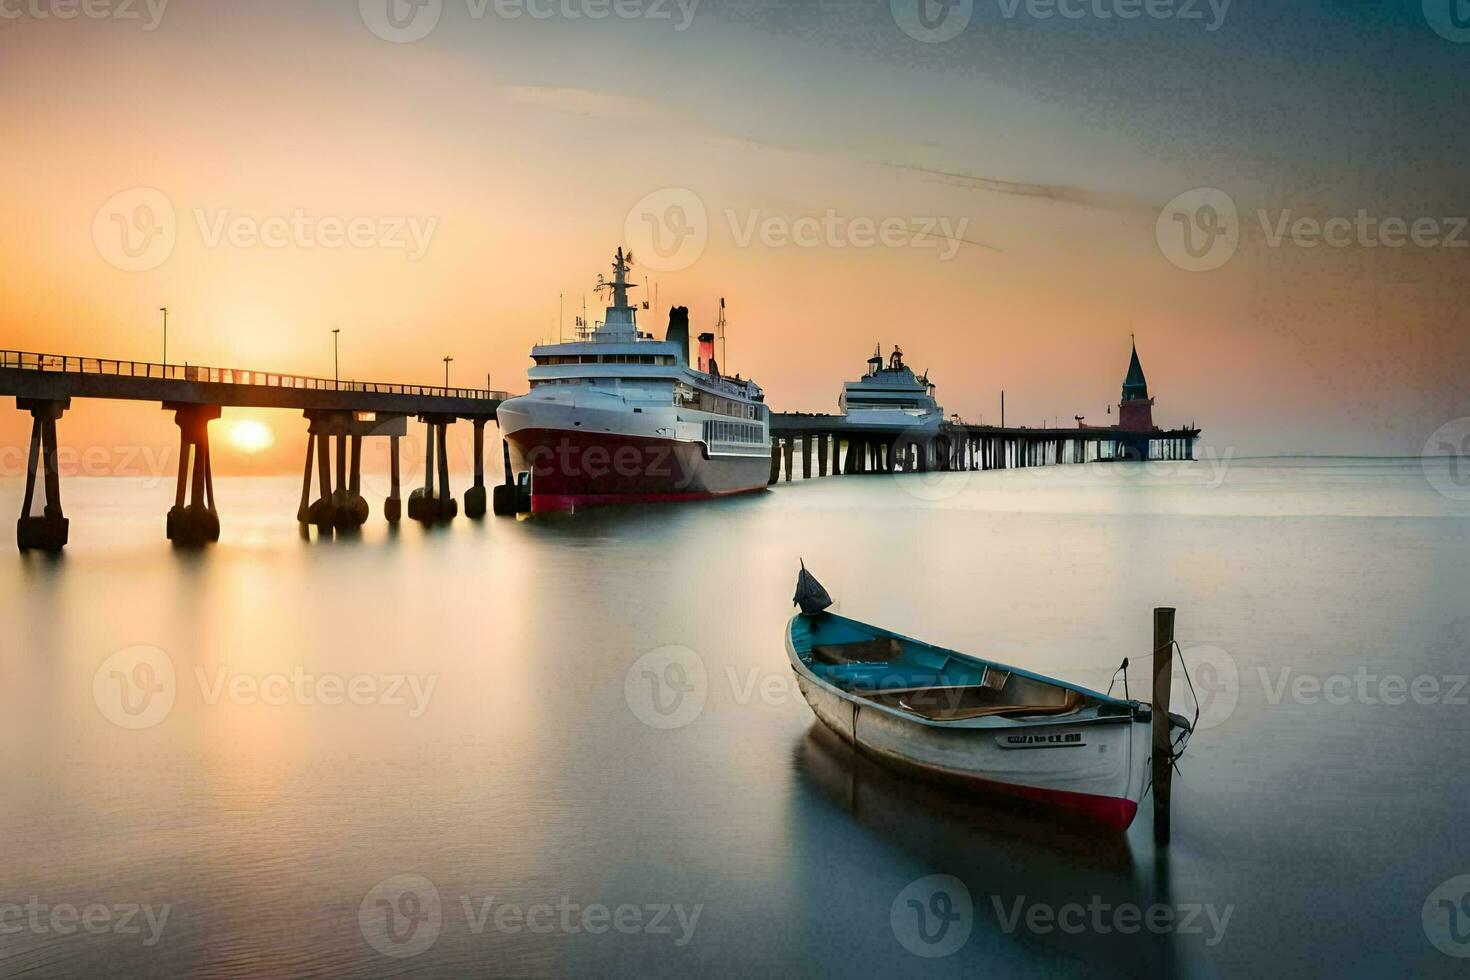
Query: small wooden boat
[[968, 721]]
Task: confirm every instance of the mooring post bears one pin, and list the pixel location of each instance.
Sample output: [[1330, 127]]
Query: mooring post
[[1163, 770]]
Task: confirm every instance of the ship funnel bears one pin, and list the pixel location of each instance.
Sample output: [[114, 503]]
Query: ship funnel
[[706, 352], [679, 331]]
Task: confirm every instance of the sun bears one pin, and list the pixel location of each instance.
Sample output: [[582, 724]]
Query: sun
[[251, 436]]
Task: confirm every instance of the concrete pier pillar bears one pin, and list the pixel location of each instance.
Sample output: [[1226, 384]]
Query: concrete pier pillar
[[448, 508], [806, 456], [49, 530], [788, 448], [775, 462], [305, 506], [474, 497], [393, 506], [822, 455], [419, 506], [197, 522]]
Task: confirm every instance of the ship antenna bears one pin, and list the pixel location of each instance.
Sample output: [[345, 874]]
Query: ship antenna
[[561, 303], [721, 325]]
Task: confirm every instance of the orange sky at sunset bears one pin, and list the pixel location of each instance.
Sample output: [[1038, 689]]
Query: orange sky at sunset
[[523, 146]]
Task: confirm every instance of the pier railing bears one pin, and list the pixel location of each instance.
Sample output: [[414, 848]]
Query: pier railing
[[66, 363]]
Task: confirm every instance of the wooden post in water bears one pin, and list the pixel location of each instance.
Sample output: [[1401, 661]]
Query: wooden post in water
[[1163, 679]]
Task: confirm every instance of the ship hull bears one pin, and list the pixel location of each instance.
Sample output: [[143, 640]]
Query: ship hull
[[571, 469]]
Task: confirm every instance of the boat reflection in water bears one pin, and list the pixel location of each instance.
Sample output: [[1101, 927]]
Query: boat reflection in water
[[1015, 857]]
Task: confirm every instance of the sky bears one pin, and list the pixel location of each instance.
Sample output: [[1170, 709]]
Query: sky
[[1271, 198]]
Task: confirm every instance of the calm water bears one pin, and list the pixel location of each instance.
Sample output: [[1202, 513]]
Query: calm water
[[170, 738]]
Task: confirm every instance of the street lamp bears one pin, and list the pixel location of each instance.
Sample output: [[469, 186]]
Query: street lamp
[[164, 311], [335, 332], [447, 359]]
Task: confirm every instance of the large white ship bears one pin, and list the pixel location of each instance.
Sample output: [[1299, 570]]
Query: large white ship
[[617, 416], [890, 396]]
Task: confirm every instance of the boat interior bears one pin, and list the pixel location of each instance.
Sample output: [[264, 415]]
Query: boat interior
[[919, 679]]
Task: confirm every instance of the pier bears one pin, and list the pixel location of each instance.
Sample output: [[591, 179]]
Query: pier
[[951, 445], [339, 414], [852, 449]]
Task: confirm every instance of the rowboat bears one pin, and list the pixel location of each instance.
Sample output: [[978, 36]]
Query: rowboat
[[975, 723]]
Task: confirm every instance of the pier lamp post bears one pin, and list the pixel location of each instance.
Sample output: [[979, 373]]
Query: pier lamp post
[[335, 332], [164, 311], [447, 359]]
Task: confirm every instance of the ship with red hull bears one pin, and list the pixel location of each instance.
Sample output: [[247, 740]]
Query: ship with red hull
[[619, 417]]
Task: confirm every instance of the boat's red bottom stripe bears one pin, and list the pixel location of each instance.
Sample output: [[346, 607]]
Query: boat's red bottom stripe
[[544, 502], [1113, 812]]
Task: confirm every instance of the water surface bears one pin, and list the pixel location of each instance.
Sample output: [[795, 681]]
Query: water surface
[[522, 773]]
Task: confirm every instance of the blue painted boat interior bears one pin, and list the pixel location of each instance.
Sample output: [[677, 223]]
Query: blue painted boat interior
[[874, 664]]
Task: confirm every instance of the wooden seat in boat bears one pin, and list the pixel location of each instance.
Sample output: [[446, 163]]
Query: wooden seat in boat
[[879, 650], [978, 701]]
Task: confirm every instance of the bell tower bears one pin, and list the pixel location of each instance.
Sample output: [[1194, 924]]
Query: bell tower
[[1136, 410]]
